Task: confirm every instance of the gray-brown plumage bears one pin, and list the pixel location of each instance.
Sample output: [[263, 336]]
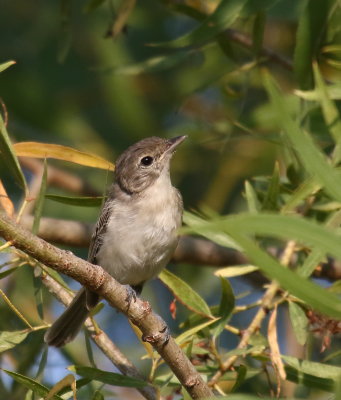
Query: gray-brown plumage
[[136, 233]]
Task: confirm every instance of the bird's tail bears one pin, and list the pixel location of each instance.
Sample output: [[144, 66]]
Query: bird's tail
[[66, 327]]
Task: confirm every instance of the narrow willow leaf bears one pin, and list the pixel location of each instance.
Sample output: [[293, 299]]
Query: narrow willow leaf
[[310, 33], [89, 349], [241, 376], [223, 17], [274, 346], [68, 380], [226, 306], [7, 272], [40, 201], [184, 293], [59, 152], [288, 228], [230, 272], [125, 9], [6, 65], [334, 93], [258, 32], [310, 155], [42, 363], [306, 189], [299, 322], [97, 396], [220, 238], [91, 5], [272, 194], [9, 156], [29, 383], [76, 201], [313, 368], [330, 113], [8, 339], [153, 64], [251, 198], [110, 378], [192, 331]]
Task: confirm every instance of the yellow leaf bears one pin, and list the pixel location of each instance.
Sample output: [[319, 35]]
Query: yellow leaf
[[5, 201], [68, 380], [59, 152]]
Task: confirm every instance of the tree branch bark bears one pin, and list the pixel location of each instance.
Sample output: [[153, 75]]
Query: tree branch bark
[[154, 329]]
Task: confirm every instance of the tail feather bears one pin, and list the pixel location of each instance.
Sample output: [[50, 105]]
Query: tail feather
[[66, 327]]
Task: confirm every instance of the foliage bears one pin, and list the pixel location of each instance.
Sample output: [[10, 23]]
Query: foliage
[[256, 86]]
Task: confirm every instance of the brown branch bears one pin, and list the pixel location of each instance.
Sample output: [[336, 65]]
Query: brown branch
[[190, 249], [154, 329], [101, 339]]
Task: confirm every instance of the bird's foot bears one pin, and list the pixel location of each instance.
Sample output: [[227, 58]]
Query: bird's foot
[[131, 295]]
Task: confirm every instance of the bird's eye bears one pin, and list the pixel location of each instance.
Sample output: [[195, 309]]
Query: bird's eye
[[147, 160]]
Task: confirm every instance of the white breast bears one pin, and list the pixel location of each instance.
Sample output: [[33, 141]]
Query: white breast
[[141, 235]]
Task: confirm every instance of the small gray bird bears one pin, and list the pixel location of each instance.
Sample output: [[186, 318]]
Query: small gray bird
[[137, 231]]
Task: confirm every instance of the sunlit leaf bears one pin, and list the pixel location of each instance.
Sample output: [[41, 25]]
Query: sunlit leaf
[[223, 17], [59, 152], [122, 15], [184, 293], [274, 346], [8, 339], [289, 228], [6, 65], [251, 198], [68, 380], [334, 93], [110, 378], [230, 272]]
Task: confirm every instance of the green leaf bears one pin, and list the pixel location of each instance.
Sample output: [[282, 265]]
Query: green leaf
[[251, 198], [192, 331], [314, 374], [310, 33], [286, 227], [76, 201], [91, 5], [241, 375], [29, 383], [299, 322], [184, 293], [311, 157], [9, 157], [8, 339], [97, 396], [154, 64], [227, 303], [7, 272], [330, 113], [306, 189], [40, 201], [270, 201], [6, 65], [223, 17], [42, 363], [333, 90], [110, 378]]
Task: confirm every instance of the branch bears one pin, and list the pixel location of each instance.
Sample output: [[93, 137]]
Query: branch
[[190, 249], [94, 277], [101, 339]]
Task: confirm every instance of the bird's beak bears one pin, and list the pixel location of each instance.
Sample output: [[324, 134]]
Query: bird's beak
[[174, 142]]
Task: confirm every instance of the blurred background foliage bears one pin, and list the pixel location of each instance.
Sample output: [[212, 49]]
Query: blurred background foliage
[[87, 78]]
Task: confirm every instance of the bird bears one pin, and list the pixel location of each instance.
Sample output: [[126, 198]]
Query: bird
[[137, 231]]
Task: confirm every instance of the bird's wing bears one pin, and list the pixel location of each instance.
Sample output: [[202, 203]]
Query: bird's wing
[[100, 228]]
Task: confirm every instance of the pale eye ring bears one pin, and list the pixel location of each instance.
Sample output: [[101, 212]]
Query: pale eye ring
[[148, 160]]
